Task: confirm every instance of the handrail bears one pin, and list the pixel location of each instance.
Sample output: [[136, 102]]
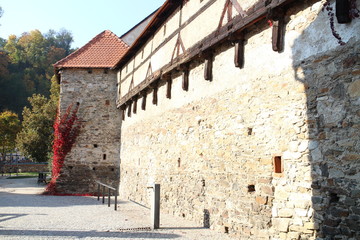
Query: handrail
[[109, 193]]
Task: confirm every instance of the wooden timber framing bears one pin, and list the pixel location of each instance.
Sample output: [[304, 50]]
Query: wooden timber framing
[[135, 99], [143, 103], [239, 47], [238, 24], [185, 79], [168, 87], [278, 31]]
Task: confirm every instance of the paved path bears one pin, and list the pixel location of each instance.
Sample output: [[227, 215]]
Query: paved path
[[25, 214]]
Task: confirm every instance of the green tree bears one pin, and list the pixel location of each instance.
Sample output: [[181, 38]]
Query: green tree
[[28, 60], [36, 137], [9, 127]]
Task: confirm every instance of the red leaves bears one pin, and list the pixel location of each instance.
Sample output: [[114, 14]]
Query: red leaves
[[67, 129]]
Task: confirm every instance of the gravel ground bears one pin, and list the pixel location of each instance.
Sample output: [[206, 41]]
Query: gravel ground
[[26, 214]]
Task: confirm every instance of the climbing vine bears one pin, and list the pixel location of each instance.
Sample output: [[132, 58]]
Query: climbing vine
[[353, 13], [66, 130]]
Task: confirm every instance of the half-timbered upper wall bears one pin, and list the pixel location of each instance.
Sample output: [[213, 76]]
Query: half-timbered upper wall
[[186, 27]]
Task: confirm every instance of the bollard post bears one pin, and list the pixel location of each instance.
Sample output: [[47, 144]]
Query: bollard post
[[98, 192], [116, 193], [155, 206], [109, 193], [103, 194]]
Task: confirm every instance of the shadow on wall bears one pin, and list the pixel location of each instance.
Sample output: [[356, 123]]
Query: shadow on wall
[[331, 81]]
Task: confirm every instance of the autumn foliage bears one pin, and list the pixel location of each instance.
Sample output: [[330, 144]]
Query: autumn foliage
[[66, 130]]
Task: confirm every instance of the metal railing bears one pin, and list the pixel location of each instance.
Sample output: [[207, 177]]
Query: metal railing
[[109, 188]]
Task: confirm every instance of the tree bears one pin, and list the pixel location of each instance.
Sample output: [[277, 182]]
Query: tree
[[36, 137], [28, 60], [9, 127]]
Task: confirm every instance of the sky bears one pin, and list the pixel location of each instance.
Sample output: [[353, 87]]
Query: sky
[[83, 18]]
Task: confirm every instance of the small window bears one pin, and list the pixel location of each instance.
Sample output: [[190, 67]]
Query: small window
[[104, 156], [278, 164]]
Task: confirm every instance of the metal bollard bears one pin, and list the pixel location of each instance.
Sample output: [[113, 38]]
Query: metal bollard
[[109, 193], [155, 206], [98, 193]]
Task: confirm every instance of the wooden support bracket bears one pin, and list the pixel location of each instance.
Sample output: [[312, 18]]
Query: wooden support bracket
[[135, 99], [155, 96], [239, 56], [123, 109], [208, 67], [168, 87], [278, 31], [129, 103], [185, 79], [143, 103]]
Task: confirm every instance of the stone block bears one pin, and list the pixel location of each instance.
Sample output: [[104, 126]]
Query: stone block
[[354, 89], [339, 212], [330, 231], [286, 213], [281, 224], [301, 212], [311, 226], [261, 200], [293, 236]]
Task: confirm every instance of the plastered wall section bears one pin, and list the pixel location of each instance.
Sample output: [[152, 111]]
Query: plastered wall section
[[95, 155], [212, 148]]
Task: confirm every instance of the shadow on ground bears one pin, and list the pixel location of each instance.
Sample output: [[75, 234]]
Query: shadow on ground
[[84, 234]]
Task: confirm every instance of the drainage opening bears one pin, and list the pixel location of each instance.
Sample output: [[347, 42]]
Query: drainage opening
[[251, 188]]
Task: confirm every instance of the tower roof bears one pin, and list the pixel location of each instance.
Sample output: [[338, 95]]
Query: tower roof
[[103, 51]]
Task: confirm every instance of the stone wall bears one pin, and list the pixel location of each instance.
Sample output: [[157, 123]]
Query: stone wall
[[95, 155], [23, 167], [268, 151]]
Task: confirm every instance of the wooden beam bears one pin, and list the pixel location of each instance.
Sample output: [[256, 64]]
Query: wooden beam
[[239, 47], [239, 58], [135, 99], [155, 87], [185, 79], [129, 108], [168, 88], [143, 103], [208, 67], [278, 31], [123, 109]]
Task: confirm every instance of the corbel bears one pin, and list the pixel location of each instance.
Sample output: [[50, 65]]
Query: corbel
[[208, 65], [135, 99], [155, 86], [278, 29], [143, 103], [167, 78], [184, 68], [129, 103], [239, 46], [123, 109], [342, 11]]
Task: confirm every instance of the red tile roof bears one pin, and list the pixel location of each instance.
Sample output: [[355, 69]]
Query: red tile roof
[[103, 51]]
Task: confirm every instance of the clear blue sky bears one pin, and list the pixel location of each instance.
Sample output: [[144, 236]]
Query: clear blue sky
[[83, 18]]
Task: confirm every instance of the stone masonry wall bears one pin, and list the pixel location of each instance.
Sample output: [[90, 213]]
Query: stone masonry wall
[[270, 151], [37, 167], [95, 155]]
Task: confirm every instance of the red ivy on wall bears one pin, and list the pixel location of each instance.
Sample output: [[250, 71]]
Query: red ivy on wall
[[66, 130]]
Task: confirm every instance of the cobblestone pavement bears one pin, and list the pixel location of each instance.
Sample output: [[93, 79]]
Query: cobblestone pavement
[[26, 214]]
